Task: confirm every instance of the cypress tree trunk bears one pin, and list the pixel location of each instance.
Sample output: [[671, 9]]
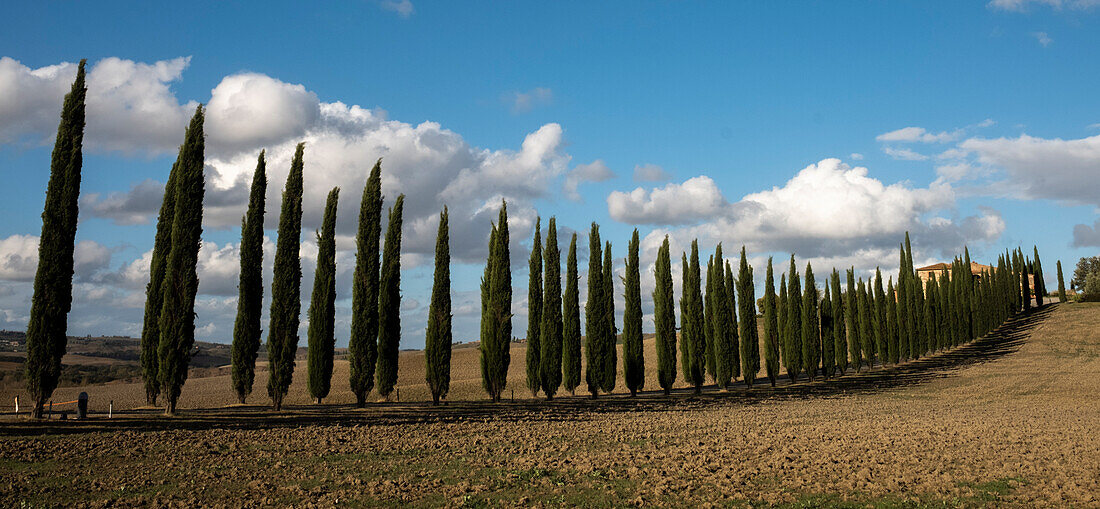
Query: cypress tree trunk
[[571, 322], [633, 360], [496, 319], [437, 341], [746, 307], [362, 345], [1061, 284], [286, 305], [811, 328], [246, 329], [851, 319], [771, 326], [664, 319], [866, 326], [840, 333], [321, 335], [697, 341], [793, 355], [53, 279], [551, 327], [534, 312], [609, 343], [594, 322], [892, 339], [181, 283], [389, 302]]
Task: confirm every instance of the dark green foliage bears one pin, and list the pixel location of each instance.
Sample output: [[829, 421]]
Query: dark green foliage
[[771, 327], [1025, 286], [720, 322], [866, 325], [496, 305], [181, 282], [1040, 281], [53, 279], [664, 319], [437, 335], [389, 302], [282, 334], [827, 330], [840, 333], [246, 329], [932, 300], [881, 343], [792, 352], [851, 321], [594, 321], [811, 328], [610, 360], [550, 329], [892, 339], [1061, 284], [321, 335], [154, 294], [571, 322], [708, 320], [692, 342], [363, 343], [750, 340], [902, 296], [731, 292], [781, 323], [534, 311], [1085, 266], [633, 359]]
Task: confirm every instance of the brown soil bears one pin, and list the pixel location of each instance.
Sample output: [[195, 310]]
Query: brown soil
[[1010, 420]]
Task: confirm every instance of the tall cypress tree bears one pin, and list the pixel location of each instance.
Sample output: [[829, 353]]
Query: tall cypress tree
[[534, 311], [1040, 281], [610, 356], [1026, 285], [1061, 284], [840, 332], [594, 322], [902, 298], [746, 307], [633, 360], [154, 294], [827, 330], [720, 321], [932, 301], [551, 327], [571, 322], [771, 327], [438, 339], [811, 328], [694, 343], [866, 326], [892, 338], [181, 282], [731, 301], [282, 334], [53, 279], [851, 320], [363, 343], [389, 302], [321, 335], [246, 329], [881, 338], [782, 311], [664, 319], [792, 354], [708, 321]]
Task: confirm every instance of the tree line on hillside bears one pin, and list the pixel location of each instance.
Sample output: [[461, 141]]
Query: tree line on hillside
[[811, 331]]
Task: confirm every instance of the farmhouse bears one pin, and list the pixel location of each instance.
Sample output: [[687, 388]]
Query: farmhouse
[[943, 270]]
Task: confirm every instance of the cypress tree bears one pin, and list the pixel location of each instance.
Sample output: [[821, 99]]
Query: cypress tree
[[792, 354], [921, 329], [892, 339], [692, 339], [708, 321], [389, 302], [363, 343], [902, 296], [246, 329], [827, 331], [571, 322], [664, 319], [840, 333], [771, 327], [487, 348], [53, 279], [1026, 286], [1061, 284], [534, 312], [811, 328], [154, 294], [282, 335], [1040, 281], [496, 353], [551, 327], [851, 319], [438, 339], [932, 314], [181, 283], [866, 326], [594, 322], [609, 343], [782, 330], [881, 338], [321, 335], [720, 322], [750, 341], [731, 292], [633, 359]]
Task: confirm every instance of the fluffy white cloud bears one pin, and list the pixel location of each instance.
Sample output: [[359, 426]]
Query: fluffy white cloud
[[596, 171], [696, 199], [251, 110], [19, 258], [1086, 236], [650, 173], [918, 134], [1039, 168]]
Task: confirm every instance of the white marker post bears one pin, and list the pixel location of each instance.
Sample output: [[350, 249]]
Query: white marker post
[[110, 409], [17, 404]]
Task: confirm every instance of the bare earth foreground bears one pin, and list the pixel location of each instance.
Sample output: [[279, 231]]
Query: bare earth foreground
[[1010, 420]]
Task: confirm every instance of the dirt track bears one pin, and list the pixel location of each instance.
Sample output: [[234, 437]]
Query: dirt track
[[1009, 420]]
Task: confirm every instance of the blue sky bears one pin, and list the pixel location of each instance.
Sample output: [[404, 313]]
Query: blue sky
[[976, 124]]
